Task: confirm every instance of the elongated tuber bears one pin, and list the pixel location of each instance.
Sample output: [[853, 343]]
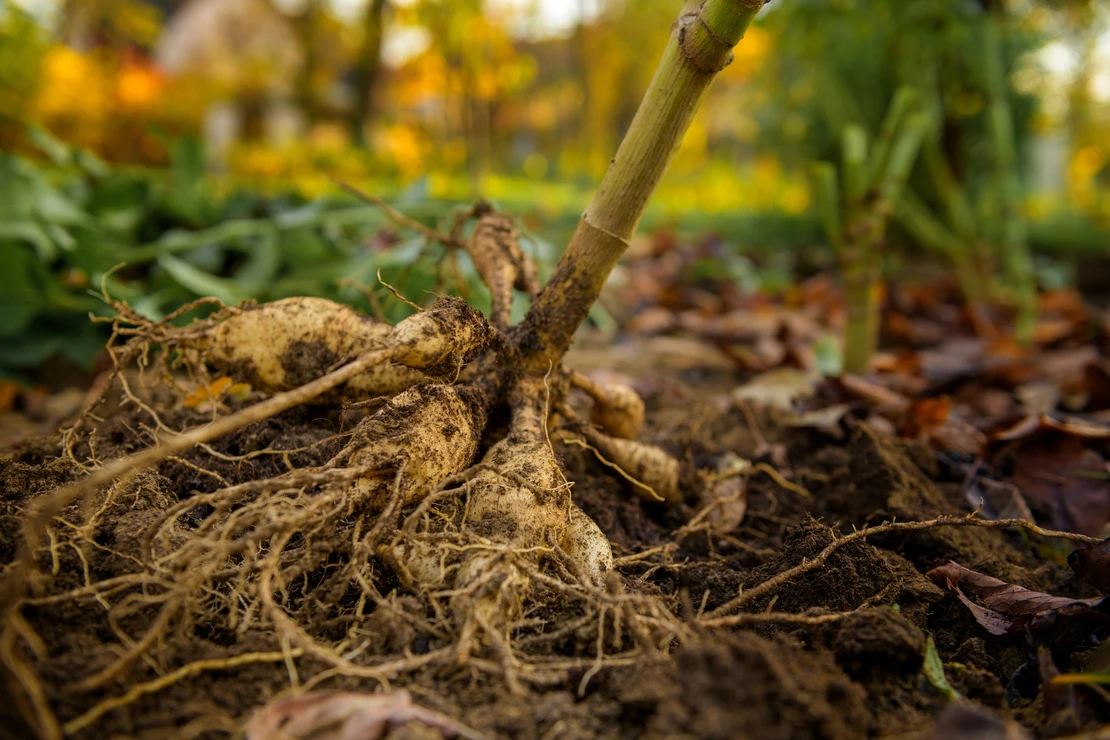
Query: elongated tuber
[[494, 246], [618, 409], [653, 472], [282, 345]]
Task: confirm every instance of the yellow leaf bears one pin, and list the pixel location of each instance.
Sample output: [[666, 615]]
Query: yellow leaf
[[213, 390]]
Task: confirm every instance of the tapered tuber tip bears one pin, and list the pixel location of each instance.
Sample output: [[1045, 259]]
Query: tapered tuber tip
[[441, 339], [619, 411]]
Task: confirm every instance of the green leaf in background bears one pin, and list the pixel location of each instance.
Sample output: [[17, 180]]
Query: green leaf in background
[[200, 282], [21, 294], [263, 261], [51, 146], [31, 233], [830, 358]]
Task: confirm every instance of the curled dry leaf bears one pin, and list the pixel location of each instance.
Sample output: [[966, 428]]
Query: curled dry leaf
[[724, 498], [931, 420], [778, 389], [323, 715], [1073, 425], [882, 398], [1092, 564], [1004, 608], [995, 499], [827, 420]]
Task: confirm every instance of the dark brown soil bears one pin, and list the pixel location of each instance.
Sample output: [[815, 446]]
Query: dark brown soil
[[854, 678]]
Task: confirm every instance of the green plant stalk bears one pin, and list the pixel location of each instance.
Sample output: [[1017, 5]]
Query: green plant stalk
[[861, 266], [873, 185], [826, 201], [1017, 259], [700, 47], [901, 107], [860, 263]]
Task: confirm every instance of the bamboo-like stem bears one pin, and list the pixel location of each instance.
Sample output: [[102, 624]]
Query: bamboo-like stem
[[700, 47]]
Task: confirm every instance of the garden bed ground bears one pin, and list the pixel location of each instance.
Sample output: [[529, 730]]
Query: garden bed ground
[[856, 675]]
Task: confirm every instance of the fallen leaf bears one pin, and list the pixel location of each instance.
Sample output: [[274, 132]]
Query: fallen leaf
[[1068, 479], [1001, 608], [1092, 564], [926, 414], [322, 715], [882, 398], [653, 320], [1077, 425], [995, 499], [826, 420], [778, 389], [1038, 396], [932, 420], [209, 392], [9, 392]]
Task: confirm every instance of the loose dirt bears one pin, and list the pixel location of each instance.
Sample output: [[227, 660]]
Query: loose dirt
[[858, 676]]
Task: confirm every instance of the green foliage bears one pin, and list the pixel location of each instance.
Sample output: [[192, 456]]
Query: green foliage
[[839, 62], [855, 208], [160, 240]]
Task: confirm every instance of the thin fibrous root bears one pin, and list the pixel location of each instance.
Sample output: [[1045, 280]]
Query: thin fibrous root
[[438, 341], [818, 561]]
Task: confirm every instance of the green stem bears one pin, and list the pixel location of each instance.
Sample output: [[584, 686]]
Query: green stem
[[1018, 261], [700, 47], [862, 286]]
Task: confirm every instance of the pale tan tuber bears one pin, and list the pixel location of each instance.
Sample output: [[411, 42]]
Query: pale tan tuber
[[285, 344], [653, 472], [618, 409], [494, 246], [418, 439]]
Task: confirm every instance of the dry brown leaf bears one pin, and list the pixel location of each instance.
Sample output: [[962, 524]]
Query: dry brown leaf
[[209, 392], [1092, 564], [1000, 607], [9, 392], [322, 715], [778, 389], [1068, 479]]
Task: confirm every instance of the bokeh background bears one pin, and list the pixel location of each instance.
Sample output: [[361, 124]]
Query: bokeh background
[[195, 142]]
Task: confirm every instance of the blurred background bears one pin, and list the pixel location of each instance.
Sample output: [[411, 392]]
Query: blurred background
[[195, 142]]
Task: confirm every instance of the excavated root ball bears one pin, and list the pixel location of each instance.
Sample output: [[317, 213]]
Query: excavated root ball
[[285, 344], [418, 439]]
